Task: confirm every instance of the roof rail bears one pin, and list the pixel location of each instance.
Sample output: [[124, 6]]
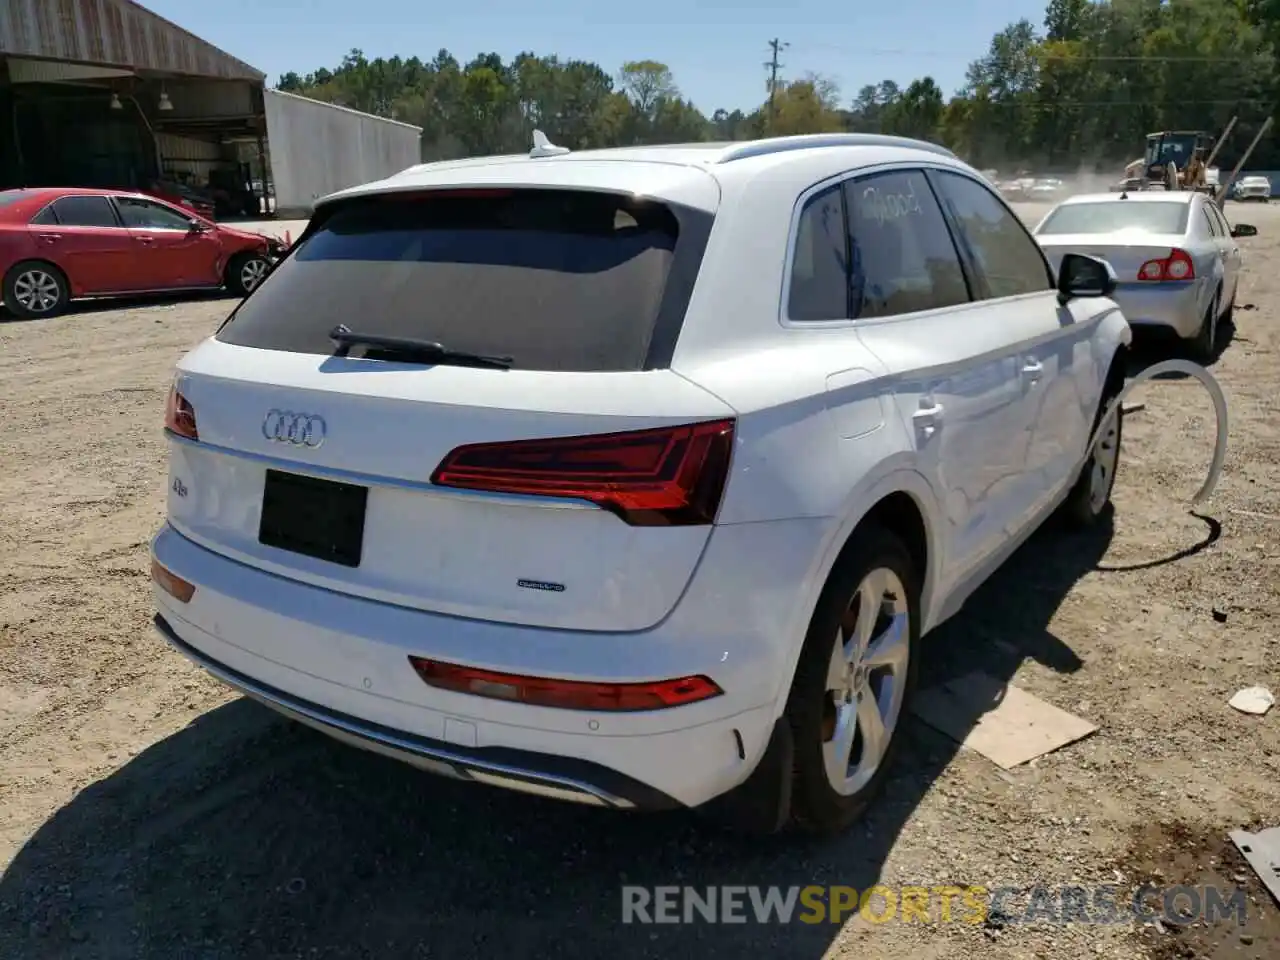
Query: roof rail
[[813, 141]]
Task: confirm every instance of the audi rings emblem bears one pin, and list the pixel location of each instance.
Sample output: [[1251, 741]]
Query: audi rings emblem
[[298, 429]]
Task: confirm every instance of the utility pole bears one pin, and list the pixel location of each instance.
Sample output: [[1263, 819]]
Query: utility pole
[[777, 46]]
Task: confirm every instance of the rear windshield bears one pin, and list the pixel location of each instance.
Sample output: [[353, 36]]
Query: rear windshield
[[1107, 215], [556, 280]]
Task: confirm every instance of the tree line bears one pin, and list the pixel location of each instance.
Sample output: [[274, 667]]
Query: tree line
[[1077, 92]]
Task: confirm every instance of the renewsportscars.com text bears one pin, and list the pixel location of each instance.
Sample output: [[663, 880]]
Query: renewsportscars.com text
[[1103, 904]]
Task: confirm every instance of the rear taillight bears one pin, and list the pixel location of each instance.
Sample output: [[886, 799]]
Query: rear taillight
[[666, 477], [565, 694], [180, 416], [1177, 266]]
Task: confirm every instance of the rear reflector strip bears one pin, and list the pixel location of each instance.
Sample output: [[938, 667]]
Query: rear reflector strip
[[171, 583], [565, 694]]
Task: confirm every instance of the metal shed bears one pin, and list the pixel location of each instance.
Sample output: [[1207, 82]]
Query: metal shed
[[106, 93], [319, 148], [109, 33]]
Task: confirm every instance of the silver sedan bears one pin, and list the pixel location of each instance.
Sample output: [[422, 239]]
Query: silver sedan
[[1174, 253]]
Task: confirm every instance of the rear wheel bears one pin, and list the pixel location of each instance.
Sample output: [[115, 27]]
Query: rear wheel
[[854, 682], [36, 289], [1206, 338], [245, 273]]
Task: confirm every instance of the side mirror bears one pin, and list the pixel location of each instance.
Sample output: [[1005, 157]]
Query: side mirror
[[1082, 276], [1244, 230], [199, 226]]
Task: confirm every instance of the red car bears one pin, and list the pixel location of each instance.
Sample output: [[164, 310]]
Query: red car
[[59, 244]]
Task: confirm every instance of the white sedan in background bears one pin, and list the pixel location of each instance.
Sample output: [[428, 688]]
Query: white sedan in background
[[1174, 254], [1252, 188]]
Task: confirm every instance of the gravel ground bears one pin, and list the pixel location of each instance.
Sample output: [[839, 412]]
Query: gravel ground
[[147, 813]]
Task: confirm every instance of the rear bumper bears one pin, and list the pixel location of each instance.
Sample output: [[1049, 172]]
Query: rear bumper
[[524, 771], [340, 663], [1178, 307]]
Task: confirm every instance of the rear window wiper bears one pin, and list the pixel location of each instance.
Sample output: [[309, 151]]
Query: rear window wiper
[[409, 349]]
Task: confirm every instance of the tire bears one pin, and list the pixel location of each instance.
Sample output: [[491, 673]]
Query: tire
[[876, 563], [35, 288], [245, 272], [1205, 340], [1090, 499]]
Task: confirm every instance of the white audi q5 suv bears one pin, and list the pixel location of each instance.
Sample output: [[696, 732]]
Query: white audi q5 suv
[[632, 477]]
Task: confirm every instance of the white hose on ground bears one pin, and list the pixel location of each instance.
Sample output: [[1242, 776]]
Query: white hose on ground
[[1219, 409]]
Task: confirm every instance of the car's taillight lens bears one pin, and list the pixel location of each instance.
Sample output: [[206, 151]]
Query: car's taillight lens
[[565, 694], [665, 477], [180, 416], [1177, 266]]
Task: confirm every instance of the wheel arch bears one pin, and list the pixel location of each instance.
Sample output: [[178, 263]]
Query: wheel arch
[[902, 501]]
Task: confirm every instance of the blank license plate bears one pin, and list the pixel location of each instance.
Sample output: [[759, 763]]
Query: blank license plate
[[316, 518]]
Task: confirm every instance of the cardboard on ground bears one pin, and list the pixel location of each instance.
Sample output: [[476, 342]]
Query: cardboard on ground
[[1003, 723]]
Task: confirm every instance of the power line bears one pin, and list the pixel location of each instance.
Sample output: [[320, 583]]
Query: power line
[[1128, 104], [777, 46], [1085, 57]]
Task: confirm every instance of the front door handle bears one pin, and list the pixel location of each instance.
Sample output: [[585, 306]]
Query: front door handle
[[143, 239], [1032, 370]]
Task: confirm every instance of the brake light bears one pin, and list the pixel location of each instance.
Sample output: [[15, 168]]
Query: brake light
[[671, 476], [565, 694], [180, 416], [1177, 266]]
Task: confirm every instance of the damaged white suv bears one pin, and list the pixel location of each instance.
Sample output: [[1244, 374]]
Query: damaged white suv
[[632, 477]]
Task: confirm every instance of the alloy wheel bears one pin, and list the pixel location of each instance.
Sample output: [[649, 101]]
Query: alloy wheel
[[866, 681], [37, 291]]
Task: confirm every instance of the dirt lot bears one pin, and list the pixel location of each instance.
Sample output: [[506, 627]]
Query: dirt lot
[[146, 813]]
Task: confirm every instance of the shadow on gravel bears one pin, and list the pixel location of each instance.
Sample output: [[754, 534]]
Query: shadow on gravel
[[1150, 346], [244, 836]]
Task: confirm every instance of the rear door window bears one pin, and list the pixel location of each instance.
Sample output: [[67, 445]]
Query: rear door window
[[1224, 228], [555, 279], [1214, 230], [84, 212], [903, 259]]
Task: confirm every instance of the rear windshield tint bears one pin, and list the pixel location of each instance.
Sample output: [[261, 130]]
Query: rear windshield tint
[[1105, 216], [557, 280]]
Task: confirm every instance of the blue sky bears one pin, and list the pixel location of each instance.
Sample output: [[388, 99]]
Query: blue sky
[[715, 48]]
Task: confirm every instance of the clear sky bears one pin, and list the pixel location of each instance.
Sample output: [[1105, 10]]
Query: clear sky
[[716, 48]]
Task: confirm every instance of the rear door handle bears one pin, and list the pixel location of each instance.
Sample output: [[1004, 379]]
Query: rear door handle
[[1032, 370], [928, 418], [143, 239], [50, 237]]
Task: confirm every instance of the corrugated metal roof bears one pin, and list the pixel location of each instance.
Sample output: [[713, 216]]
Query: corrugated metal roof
[[118, 33]]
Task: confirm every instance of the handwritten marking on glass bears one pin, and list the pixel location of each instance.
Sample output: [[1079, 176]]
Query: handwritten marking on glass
[[884, 207]]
